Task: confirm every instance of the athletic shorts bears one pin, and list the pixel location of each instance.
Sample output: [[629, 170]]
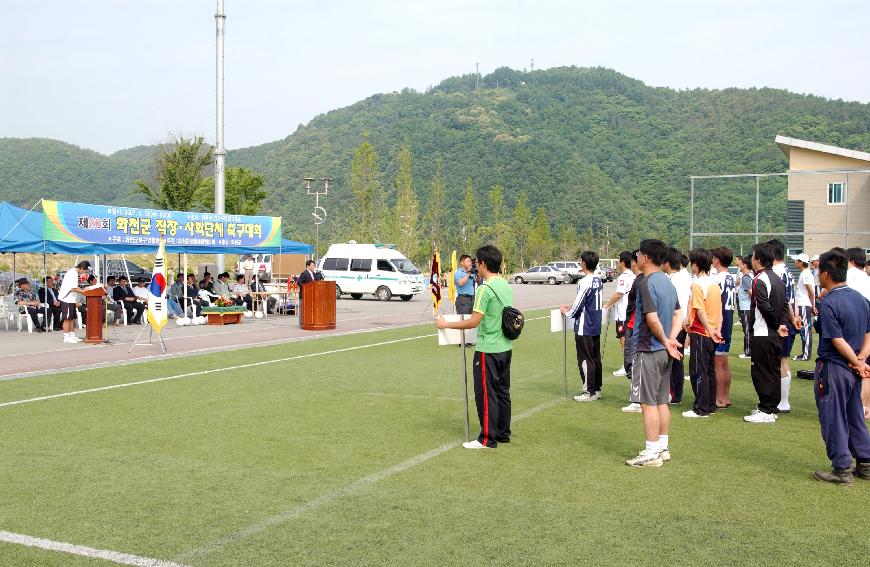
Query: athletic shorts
[[787, 342], [651, 378], [620, 329], [68, 311], [727, 327]]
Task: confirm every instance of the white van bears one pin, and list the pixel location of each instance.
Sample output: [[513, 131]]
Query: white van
[[358, 269]]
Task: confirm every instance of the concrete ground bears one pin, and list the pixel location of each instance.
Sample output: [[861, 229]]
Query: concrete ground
[[25, 354]]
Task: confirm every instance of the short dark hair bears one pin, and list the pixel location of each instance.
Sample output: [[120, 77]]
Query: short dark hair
[[684, 260], [763, 254], [489, 256], [83, 265], [701, 258], [835, 264], [653, 249], [463, 257], [673, 258], [91, 277], [191, 276], [122, 279], [179, 275], [724, 255], [110, 278], [857, 256], [140, 280], [309, 262], [224, 275], [625, 258], [240, 277], [207, 274], [777, 248], [589, 259]]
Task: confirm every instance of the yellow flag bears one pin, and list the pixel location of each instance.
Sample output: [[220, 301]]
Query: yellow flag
[[451, 283]]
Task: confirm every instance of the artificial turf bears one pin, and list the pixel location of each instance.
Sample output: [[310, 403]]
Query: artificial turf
[[167, 469]]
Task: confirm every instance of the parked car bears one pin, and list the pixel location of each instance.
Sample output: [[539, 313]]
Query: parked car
[[569, 267], [541, 274], [605, 273], [116, 268]]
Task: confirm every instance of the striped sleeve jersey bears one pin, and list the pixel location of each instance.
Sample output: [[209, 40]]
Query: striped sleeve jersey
[[586, 309]]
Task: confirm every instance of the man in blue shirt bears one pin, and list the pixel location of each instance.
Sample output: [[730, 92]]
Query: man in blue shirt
[[844, 345], [464, 281], [658, 321], [586, 313]]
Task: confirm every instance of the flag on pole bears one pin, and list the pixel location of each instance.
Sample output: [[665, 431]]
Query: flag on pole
[[158, 310], [435, 281], [451, 283]]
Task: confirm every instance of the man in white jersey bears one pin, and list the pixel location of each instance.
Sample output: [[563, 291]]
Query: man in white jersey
[[722, 258], [69, 298], [620, 299], [805, 301]]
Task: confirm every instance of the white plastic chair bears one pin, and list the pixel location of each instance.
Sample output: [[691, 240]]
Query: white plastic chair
[[5, 312]]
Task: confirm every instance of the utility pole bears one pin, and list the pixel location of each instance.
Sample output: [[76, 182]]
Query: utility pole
[[607, 243], [531, 71], [477, 76], [319, 213], [219, 151]]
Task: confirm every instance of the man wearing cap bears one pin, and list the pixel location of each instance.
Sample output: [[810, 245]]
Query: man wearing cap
[[69, 298], [805, 301], [26, 301]]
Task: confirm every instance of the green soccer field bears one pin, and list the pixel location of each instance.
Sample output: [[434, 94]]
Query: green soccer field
[[345, 451]]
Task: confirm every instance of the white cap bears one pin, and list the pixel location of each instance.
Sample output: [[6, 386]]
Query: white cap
[[802, 257], [814, 258]]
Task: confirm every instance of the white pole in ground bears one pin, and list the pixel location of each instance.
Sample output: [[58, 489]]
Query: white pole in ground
[[465, 388], [564, 359], [219, 151]]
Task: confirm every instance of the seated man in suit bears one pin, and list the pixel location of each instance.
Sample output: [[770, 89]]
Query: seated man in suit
[[271, 302], [242, 294], [48, 296], [192, 296], [124, 293], [27, 303]]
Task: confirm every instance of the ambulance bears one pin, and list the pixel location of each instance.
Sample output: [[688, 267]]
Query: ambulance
[[376, 269]]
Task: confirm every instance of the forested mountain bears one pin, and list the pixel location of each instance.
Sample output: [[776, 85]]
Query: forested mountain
[[589, 145]]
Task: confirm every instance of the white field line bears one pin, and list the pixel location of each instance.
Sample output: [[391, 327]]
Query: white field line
[[411, 396], [354, 486], [204, 372], [113, 556]]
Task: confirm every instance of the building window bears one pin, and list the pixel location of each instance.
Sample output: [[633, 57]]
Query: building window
[[836, 193]]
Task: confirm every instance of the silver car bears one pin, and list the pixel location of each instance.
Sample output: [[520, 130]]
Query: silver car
[[541, 274]]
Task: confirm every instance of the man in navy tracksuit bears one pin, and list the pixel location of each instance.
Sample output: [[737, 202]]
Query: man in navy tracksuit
[[844, 345], [586, 313]]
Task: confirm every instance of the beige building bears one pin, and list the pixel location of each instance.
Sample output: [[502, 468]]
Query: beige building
[[828, 196]]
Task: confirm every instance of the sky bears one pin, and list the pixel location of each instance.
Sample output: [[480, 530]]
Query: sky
[[112, 74]]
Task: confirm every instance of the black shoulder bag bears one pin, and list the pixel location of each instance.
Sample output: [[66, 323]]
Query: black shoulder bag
[[512, 319]]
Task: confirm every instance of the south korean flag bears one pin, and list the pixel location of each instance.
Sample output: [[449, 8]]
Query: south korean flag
[[158, 310]]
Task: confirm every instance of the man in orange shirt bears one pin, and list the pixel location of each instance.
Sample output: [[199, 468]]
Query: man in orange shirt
[[703, 326]]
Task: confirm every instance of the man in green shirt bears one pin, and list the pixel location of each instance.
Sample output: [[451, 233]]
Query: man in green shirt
[[492, 356]]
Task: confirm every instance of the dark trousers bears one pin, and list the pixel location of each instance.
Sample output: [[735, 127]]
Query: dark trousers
[[702, 373], [464, 304], [589, 351], [628, 351], [134, 311], [247, 301], [766, 353], [677, 372], [747, 331], [34, 315], [841, 415], [806, 331], [197, 306], [492, 396]]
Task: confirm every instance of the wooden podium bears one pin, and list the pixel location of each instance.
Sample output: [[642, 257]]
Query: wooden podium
[[94, 308], [318, 306]]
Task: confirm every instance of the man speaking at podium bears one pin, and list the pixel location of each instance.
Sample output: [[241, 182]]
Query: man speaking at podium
[[306, 277]]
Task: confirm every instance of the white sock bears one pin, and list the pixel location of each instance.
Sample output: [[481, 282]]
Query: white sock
[[663, 442], [652, 446], [784, 388]]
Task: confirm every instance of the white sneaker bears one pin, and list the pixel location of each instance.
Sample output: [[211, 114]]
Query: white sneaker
[[587, 397], [620, 372], [75, 339], [687, 351], [784, 408], [760, 417], [632, 408], [475, 445], [687, 377], [644, 459], [743, 356], [691, 413], [665, 455]]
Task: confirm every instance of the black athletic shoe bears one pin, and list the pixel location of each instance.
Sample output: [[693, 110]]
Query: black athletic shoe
[[836, 476], [505, 440], [862, 471]]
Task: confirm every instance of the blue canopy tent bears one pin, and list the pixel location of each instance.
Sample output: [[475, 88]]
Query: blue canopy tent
[[20, 229]]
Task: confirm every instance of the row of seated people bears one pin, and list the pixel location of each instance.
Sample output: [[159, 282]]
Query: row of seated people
[[239, 293]]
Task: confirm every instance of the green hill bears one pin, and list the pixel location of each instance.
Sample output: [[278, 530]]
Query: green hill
[[590, 145]]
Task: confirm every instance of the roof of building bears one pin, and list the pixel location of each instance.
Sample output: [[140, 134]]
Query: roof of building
[[785, 142]]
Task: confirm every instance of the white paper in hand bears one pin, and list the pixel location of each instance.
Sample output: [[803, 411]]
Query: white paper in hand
[[557, 321], [454, 336]]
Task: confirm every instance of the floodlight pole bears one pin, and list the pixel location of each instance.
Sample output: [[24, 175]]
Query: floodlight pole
[[692, 214], [757, 204], [319, 213], [219, 151]]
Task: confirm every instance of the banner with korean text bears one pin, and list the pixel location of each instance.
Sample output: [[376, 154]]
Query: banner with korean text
[[131, 226]]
